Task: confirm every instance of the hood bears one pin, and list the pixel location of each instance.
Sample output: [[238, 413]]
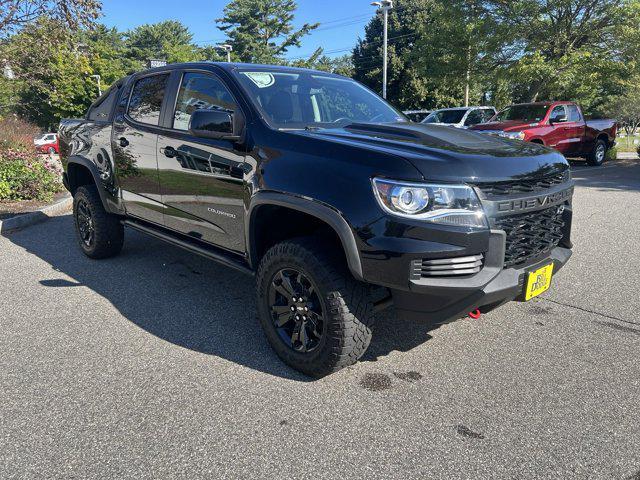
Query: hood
[[450, 154], [506, 126]]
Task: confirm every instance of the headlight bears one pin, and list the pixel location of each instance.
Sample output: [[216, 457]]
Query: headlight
[[444, 204], [515, 135]]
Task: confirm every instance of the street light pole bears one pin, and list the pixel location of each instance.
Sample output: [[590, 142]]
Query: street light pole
[[385, 6], [98, 78], [227, 48]]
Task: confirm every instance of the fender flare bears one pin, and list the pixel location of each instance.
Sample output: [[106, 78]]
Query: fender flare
[[88, 164], [328, 215]]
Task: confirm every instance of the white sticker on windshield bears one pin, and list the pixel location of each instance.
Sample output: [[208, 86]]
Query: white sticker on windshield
[[261, 79]]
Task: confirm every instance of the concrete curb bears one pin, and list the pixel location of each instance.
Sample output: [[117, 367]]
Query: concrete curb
[[25, 220], [627, 156]]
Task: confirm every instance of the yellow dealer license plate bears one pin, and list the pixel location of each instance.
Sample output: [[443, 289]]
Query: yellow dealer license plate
[[538, 281]]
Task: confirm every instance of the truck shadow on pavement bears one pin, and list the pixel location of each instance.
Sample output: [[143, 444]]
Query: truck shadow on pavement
[[613, 175], [184, 299]]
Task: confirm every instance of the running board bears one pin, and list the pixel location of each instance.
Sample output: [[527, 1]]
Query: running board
[[211, 253]]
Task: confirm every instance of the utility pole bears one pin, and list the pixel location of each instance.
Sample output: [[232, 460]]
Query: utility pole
[[385, 6], [98, 78], [227, 48]]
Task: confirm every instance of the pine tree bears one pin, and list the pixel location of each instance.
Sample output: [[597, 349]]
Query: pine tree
[[261, 31]]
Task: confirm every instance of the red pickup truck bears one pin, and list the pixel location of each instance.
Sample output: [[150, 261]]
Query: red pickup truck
[[558, 125]]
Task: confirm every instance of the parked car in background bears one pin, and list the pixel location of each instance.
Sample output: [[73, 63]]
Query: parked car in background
[[559, 125], [50, 146], [462, 117], [45, 138], [417, 115]]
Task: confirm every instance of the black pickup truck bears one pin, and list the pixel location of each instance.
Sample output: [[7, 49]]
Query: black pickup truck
[[333, 200]]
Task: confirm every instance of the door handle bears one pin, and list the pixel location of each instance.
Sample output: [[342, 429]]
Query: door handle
[[169, 152], [123, 142]]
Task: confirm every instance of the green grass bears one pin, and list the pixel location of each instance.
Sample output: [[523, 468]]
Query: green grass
[[626, 144]]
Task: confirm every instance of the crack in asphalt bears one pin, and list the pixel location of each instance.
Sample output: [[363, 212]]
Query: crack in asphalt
[[586, 310]]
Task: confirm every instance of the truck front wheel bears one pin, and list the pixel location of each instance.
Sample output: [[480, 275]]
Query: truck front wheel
[[316, 316], [99, 233], [597, 156]]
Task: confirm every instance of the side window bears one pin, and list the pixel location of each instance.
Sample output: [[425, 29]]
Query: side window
[[474, 118], [488, 114], [146, 99], [102, 109], [559, 110], [574, 113], [200, 91]]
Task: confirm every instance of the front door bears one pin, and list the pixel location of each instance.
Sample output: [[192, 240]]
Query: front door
[[559, 137], [574, 130], [134, 142], [201, 180]]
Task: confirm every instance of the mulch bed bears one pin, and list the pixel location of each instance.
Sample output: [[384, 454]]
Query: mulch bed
[[10, 209]]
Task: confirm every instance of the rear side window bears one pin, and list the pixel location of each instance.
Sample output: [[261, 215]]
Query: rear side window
[[101, 110], [146, 99], [200, 91], [574, 113]]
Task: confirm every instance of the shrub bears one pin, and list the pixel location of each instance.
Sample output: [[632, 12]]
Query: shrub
[[17, 133], [24, 176], [612, 154]]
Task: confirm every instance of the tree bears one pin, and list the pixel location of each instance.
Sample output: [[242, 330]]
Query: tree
[[582, 50], [169, 40], [15, 14], [407, 85], [459, 49], [626, 107], [106, 53], [52, 75], [339, 65], [261, 31]]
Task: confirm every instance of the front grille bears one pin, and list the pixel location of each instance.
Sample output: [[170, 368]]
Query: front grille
[[499, 189], [446, 267], [531, 234]]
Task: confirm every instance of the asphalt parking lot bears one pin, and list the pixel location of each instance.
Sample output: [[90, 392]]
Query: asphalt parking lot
[[152, 365]]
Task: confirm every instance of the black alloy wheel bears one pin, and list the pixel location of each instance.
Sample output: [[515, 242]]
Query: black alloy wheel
[[85, 224], [296, 310]]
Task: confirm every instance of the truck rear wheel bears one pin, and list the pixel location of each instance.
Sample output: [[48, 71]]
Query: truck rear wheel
[[597, 156], [99, 233], [316, 316]]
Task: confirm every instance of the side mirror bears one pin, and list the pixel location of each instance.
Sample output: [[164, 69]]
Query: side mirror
[[558, 119], [218, 124]]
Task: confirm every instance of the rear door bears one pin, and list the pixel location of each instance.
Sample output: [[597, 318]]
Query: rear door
[[201, 179], [135, 137]]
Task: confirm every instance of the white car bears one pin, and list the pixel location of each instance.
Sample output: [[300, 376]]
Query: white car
[[461, 117], [45, 139]]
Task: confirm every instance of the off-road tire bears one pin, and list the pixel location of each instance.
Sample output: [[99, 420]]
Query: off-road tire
[[347, 306], [597, 156], [108, 231]]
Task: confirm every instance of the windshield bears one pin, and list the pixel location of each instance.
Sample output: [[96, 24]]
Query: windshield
[[446, 116], [299, 100], [525, 113]]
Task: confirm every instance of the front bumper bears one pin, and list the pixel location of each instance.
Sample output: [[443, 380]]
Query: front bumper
[[439, 300]]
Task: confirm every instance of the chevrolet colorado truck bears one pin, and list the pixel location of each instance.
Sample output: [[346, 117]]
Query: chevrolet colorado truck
[[326, 194], [559, 125]]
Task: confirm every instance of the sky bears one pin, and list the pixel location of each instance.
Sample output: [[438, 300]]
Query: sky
[[342, 21]]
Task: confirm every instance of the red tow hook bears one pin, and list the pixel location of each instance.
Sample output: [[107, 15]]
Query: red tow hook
[[476, 314]]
